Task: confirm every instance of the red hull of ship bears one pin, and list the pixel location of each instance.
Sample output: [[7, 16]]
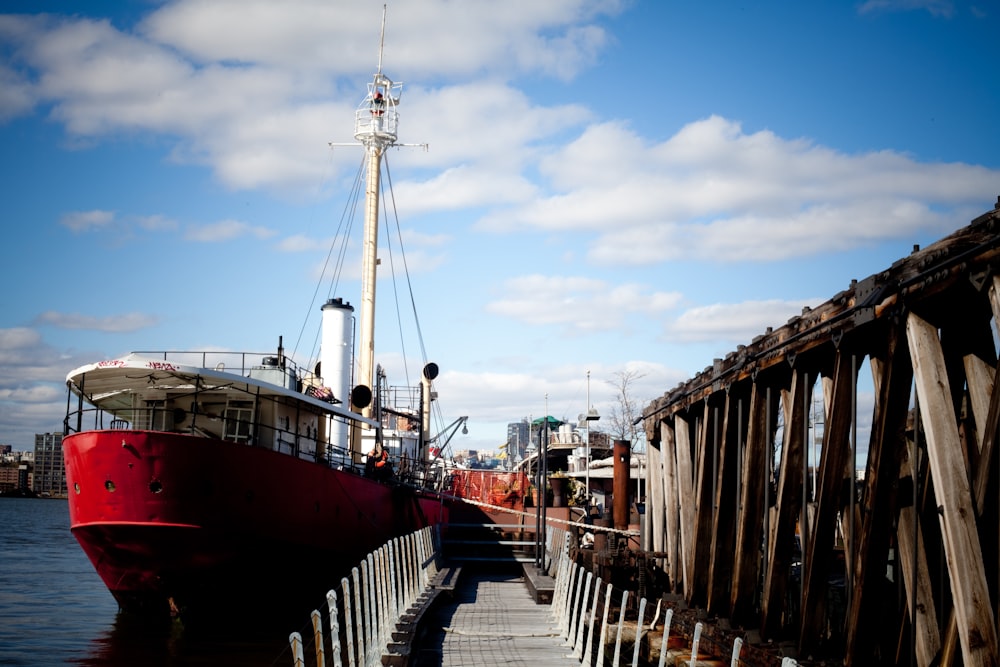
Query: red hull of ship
[[171, 520]]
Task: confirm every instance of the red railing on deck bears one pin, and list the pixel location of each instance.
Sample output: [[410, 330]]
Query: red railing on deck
[[493, 487]]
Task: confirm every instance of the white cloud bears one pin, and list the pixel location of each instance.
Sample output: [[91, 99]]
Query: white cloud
[[300, 243], [415, 239], [334, 36], [250, 88], [715, 193], [17, 96], [464, 187], [483, 122], [944, 8], [18, 338], [156, 223], [112, 324], [225, 230], [32, 393], [578, 304], [26, 360], [735, 322], [82, 221]]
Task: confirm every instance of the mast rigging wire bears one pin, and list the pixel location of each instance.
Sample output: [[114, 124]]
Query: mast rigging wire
[[342, 238], [439, 417], [344, 228]]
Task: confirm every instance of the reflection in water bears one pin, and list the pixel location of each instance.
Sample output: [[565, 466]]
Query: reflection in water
[[135, 641], [54, 609]]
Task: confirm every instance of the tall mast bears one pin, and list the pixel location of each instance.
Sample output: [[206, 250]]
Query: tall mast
[[375, 124]]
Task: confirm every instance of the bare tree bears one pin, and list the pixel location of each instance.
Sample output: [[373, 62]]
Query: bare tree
[[622, 421]]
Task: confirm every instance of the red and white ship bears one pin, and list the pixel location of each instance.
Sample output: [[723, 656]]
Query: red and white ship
[[200, 479]]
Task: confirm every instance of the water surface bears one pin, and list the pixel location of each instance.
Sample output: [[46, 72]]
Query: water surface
[[55, 610]]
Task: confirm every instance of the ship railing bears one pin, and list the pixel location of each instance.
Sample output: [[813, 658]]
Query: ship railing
[[385, 595], [242, 431], [403, 398], [382, 125], [414, 473], [241, 363]]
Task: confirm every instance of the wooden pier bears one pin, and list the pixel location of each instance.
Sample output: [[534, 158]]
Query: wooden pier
[[827, 494], [492, 620], [833, 484]]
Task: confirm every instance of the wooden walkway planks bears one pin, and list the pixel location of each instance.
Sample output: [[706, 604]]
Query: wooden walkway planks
[[492, 620]]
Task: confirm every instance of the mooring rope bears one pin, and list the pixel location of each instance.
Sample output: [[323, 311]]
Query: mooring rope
[[509, 510]]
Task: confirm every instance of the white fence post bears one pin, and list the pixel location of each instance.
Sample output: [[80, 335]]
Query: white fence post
[[379, 591], [295, 640], [664, 643], [638, 632], [694, 644], [737, 649], [574, 601], [588, 647], [317, 622], [560, 603], [580, 622], [331, 606], [621, 622], [359, 626], [368, 572], [604, 627]]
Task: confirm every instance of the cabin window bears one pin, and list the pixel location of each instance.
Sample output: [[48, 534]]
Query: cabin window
[[153, 417], [239, 421]]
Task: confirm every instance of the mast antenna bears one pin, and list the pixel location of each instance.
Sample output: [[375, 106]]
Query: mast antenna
[[381, 41]]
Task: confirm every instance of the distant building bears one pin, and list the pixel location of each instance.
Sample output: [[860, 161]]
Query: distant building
[[15, 478], [599, 440], [50, 471], [517, 439]]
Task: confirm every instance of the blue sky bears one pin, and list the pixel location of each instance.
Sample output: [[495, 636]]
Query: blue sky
[[610, 186]]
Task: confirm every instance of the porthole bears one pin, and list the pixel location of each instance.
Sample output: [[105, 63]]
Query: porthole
[[76, 487], [110, 486], [156, 486]]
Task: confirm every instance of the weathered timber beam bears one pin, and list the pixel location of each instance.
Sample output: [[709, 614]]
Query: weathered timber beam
[[991, 426], [781, 541], [726, 499], [988, 476], [892, 376], [671, 505], [685, 499], [974, 615], [979, 375], [836, 448], [705, 480], [916, 574], [654, 510], [753, 506]]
